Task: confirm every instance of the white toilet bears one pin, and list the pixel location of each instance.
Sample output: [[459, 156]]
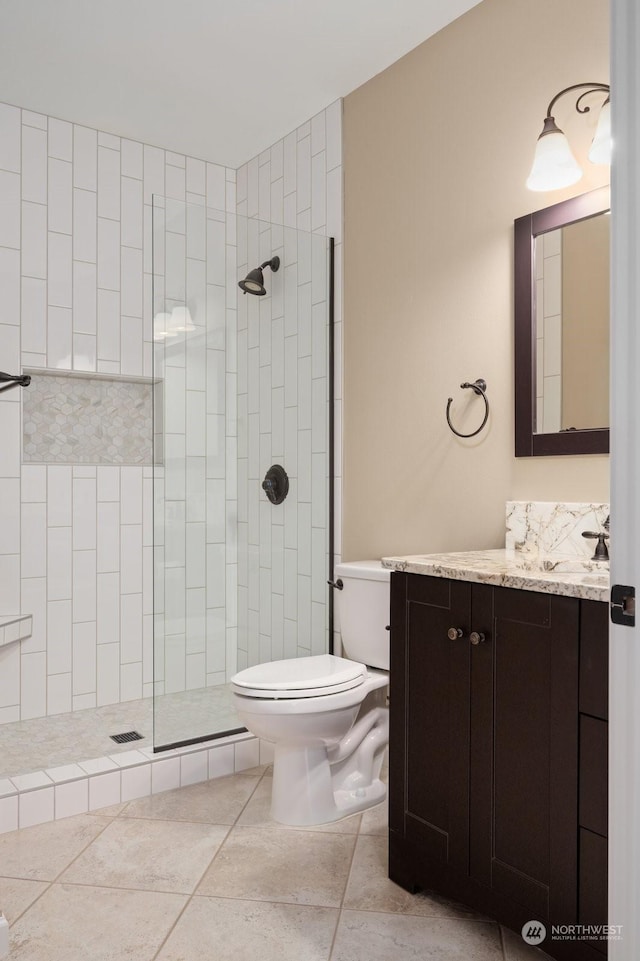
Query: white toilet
[[326, 764]]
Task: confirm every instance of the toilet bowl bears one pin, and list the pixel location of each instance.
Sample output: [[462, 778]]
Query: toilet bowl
[[327, 751]]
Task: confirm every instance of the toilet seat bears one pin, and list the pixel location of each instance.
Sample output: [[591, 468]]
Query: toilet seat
[[314, 676]]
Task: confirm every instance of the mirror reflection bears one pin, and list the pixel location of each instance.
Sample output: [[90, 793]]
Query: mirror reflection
[[572, 326], [561, 315]]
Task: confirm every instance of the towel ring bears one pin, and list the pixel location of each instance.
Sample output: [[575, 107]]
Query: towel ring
[[479, 387]]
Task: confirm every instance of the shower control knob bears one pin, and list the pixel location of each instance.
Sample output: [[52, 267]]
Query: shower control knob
[[476, 638], [276, 484], [454, 633]]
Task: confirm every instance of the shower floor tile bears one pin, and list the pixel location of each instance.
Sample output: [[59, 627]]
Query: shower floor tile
[[49, 742]]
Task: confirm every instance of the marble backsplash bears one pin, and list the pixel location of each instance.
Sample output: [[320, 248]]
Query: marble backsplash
[[551, 531]]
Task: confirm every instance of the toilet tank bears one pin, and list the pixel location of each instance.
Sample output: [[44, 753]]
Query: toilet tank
[[363, 611]]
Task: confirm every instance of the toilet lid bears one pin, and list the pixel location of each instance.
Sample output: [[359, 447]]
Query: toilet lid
[[312, 676]]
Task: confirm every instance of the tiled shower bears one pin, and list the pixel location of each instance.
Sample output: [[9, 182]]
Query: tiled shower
[[77, 249], [76, 262]]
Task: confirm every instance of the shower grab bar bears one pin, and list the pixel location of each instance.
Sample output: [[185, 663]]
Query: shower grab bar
[[13, 380]]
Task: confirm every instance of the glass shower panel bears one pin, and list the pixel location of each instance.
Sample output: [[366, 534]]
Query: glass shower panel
[[241, 383], [194, 437]]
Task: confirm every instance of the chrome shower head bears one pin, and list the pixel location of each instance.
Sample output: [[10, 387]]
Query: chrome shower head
[[253, 283]]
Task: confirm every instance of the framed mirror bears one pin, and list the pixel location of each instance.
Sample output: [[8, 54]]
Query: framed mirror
[[561, 260]]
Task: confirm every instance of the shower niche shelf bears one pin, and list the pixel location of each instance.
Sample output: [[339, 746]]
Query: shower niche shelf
[[87, 419], [14, 628]]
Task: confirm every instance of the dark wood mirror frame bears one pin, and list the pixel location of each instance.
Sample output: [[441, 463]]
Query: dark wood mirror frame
[[526, 229]]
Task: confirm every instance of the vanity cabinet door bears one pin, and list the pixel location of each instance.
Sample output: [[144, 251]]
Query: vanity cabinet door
[[524, 750], [429, 736], [487, 801]]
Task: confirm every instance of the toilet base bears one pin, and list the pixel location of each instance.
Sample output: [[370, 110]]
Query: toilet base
[[303, 790], [328, 750], [310, 789], [352, 802]]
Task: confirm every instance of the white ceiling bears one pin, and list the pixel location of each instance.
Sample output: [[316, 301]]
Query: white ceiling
[[216, 79]]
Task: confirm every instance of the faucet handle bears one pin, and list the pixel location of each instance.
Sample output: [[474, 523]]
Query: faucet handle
[[601, 553]]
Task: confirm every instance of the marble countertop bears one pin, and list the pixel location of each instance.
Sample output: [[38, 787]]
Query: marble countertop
[[504, 568]]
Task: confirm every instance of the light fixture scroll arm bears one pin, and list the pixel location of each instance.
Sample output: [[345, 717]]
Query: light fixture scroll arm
[[590, 88]]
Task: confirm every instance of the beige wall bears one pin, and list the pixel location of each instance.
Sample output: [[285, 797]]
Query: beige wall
[[585, 323], [437, 149]]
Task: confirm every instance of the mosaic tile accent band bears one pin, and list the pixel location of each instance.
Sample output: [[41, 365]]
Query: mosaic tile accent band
[[87, 420]]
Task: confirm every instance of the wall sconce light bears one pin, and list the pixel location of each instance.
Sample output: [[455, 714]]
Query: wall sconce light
[[167, 325], [554, 165]]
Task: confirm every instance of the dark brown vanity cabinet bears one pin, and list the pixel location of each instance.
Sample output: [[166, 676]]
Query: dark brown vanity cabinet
[[498, 765]]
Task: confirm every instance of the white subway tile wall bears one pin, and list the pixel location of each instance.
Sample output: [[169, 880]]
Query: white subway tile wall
[[76, 551], [15, 628], [282, 389]]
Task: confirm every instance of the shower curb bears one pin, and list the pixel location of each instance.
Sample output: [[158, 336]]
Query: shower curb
[[88, 786]]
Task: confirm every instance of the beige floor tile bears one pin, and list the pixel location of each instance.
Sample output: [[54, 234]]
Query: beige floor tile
[[219, 801], [379, 937], [369, 887], [112, 811], [17, 894], [515, 948], [299, 867], [376, 820], [250, 931], [257, 814], [257, 771], [40, 853], [72, 923], [148, 855]]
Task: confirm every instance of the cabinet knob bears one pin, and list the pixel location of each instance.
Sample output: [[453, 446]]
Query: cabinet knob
[[476, 638], [454, 633]]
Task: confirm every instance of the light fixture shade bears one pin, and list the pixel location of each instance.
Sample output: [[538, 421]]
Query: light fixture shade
[[181, 319], [554, 165], [161, 326], [600, 149]]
